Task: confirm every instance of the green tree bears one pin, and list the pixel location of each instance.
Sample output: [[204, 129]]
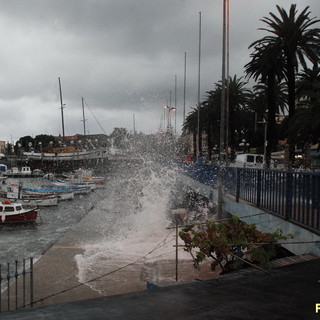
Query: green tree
[[190, 126], [266, 65], [297, 43], [45, 141], [241, 119], [304, 127], [25, 143]]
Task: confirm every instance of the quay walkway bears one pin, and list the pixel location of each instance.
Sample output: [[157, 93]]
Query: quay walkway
[[286, 293], [290, 290]]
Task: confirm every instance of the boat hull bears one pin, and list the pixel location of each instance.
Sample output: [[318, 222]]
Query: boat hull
[[39, 202], [23, 217], [60, 194]]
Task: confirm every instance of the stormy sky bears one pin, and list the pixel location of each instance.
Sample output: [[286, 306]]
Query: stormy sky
[[121, 56]]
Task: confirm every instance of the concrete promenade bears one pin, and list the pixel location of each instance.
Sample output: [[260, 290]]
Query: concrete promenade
[[287, 292]]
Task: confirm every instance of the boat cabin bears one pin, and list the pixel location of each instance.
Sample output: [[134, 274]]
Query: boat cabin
[[14, 212], [26, 170]]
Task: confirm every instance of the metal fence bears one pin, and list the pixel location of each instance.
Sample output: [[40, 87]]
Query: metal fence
[[16, 283], [294, 196]]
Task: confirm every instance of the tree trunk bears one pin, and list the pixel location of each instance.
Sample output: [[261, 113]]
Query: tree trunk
[[271, 122], [291, 103], [194, 136]]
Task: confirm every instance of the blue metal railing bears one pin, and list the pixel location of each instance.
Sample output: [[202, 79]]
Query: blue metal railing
[[294, 196]]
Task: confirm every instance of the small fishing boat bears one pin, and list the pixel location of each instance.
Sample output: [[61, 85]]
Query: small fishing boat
[[61, 194], [15, 172], [48, 201], [14, 192], [13, 212], [82, 176], [76, 188]]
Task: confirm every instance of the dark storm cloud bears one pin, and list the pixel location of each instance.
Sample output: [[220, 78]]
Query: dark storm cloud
[[120, 55]]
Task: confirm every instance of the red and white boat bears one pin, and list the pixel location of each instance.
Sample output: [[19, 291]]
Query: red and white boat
[[12, 212]]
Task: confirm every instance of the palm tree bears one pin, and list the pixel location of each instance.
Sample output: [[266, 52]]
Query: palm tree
[[190, 126], [239, 113], [305, 125], [297, 42], [308, 85], [266, 65]]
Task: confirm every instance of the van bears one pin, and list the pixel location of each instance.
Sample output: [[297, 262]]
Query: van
[[248, 160]]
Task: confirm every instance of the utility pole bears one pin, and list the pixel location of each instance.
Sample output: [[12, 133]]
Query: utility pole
[[175, 104], [198, 126], [83, 118], [62, 107], [134, 125], [222, 119], [184, 87]]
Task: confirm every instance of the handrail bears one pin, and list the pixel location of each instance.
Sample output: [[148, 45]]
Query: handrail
[[291, 195]]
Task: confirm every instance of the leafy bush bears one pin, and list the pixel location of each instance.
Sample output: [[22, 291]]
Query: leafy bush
[[230, 244]]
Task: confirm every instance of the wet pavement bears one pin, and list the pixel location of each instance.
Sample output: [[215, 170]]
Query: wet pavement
[[289, 292]]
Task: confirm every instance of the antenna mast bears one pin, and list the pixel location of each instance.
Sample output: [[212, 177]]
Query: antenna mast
[[83, 118], [62, 107]]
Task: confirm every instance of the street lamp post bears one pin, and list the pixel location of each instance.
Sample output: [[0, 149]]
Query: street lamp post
[[244, 145], [20, 151], [170, 109], [222, 144], [40, 145], [265, 142]]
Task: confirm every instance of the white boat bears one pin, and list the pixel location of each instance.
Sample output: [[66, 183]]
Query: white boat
[[84, 176], [67, 156], [45, 201], [15, 172], [12, 212], [76, 188], [14, 192], [59, 193]]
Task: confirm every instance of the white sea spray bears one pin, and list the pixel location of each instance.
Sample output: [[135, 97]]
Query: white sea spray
[[132, 224]]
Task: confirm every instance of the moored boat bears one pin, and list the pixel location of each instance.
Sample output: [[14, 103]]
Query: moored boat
[[45, 201], [82, 176], [61, 194], [16, 172], [75, 188], [13, 212], [14, 192]]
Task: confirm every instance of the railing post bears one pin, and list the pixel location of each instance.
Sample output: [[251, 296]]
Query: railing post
[[258, 188], [0, 288], [237, 184], [24, 283], [177, 260], [8, 286], [288, 200], [16, 284], [31, 282]]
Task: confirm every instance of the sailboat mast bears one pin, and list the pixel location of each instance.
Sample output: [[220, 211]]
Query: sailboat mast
[[84, 119], [62, 107]]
